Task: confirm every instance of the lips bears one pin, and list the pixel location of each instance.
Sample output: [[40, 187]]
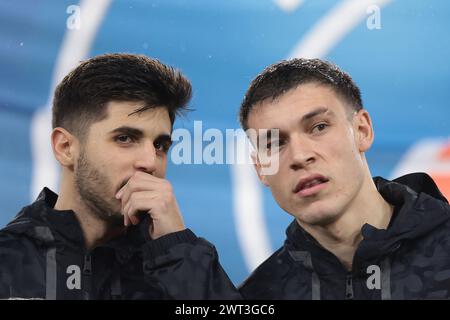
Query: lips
[[310, 185]]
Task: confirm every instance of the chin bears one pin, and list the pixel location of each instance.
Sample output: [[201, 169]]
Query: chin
[[317, 217]]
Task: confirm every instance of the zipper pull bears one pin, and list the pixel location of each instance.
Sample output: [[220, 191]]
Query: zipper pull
[[87, 268], [349, 287]]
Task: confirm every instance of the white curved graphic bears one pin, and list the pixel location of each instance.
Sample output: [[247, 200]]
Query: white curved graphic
[[289, 5], [317, 43], [75, 47], [248, 208]]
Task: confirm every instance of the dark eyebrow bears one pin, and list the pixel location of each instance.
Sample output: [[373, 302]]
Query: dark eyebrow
[[305, 118], [315, 113], [163, 138], [129, 131], [267, 133]]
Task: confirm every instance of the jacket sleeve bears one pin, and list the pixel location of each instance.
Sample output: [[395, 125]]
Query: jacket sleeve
[[187, 267], [10, 265], [4, 276]]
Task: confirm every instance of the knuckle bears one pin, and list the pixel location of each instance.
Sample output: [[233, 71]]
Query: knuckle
[[166, 201], [166, 197], [166, 184], [164, 206], [168, 187]]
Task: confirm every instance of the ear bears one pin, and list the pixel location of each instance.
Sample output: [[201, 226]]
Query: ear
[[258, 169], [65, 147], [363, 130]]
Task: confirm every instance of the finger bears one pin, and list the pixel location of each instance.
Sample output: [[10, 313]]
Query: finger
[[126, 221], [141, 181], [119, 193], [149, 176], [139, 202], [126, 217]]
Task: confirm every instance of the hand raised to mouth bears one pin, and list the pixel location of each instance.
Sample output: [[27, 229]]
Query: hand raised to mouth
[[146, 193]]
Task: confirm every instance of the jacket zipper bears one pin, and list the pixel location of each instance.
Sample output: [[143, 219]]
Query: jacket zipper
[[349, 287], [87, 275]]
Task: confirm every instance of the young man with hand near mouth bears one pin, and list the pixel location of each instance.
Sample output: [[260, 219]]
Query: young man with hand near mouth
[[115, 231], [353, 236]]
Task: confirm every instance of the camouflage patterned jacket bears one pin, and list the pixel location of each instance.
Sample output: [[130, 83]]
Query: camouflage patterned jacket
[[42, 256], [409, 260]]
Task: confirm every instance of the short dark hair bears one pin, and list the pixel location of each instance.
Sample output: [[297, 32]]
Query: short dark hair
[[285, 75], [81, 97]]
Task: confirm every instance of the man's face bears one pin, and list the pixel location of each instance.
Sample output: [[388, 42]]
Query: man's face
[[321, 145], [114, 149]]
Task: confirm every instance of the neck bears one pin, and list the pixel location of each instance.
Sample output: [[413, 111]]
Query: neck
[[343, 235], [95, 231]]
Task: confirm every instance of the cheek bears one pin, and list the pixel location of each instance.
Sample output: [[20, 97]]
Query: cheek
[[114, 168], [350, 173], [161, 168], [344, 150], [279, 186]]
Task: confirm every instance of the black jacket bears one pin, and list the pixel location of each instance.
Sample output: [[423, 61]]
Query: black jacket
[[43, 256], [409, 260]]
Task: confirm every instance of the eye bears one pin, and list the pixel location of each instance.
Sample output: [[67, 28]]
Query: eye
[[163, 145], [319, 127], [273, 144], [123, 138]]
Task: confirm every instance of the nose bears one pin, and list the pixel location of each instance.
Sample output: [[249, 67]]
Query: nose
[[146, 158], [301, 153]]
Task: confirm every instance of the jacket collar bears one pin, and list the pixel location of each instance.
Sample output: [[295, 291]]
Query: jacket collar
[[40, 218]]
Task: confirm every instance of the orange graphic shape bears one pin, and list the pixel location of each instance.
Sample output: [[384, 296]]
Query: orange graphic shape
[[443, 183], [444, 153]]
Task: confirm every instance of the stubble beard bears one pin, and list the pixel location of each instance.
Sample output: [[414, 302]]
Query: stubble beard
[[92, 187]]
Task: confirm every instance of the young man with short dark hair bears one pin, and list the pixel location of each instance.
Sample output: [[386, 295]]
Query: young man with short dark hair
[[353, 236], [115, 230]]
